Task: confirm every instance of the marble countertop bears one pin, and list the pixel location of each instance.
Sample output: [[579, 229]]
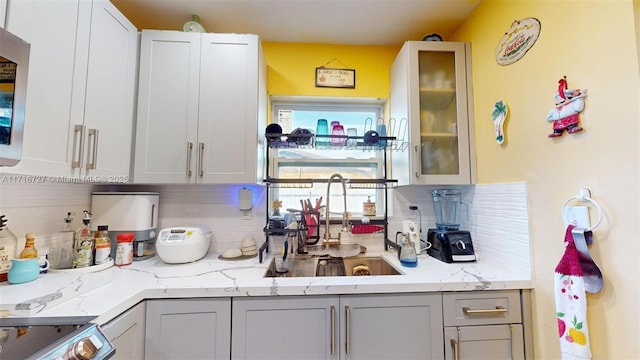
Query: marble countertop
[[107, 293]]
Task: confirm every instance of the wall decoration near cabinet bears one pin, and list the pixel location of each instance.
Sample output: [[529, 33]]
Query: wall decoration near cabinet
[[499, 117], [569, 103], [517, 40]]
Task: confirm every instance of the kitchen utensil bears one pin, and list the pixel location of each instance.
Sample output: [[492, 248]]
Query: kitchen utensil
[[371, 137], [448, 243], [446, 203], [25, 270], [337, 251], [285, 250], [338, 134], [128, 212], [351, 137], [177, 245], [322, 132], [590, 271], [381, 129], [408, 256], [273, 132]]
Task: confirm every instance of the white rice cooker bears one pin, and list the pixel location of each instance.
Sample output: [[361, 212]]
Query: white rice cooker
[[178, 245]]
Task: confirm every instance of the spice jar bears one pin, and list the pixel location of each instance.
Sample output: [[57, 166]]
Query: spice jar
[[124, 249], [369, 207], [103, 245]]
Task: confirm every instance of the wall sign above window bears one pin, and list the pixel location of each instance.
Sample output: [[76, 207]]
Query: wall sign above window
[[517, 40], [335, 78]]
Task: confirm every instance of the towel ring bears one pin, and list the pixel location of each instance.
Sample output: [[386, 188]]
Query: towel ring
[[584, 195]]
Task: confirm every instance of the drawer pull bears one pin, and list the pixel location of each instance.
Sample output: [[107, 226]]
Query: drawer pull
[[497, 310]]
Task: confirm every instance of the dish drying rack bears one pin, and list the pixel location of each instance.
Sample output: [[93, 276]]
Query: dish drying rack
[[307, 231]]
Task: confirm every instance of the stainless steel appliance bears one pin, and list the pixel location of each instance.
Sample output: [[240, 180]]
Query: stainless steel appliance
[[448, 242], [128, 212], [53, 338], [14, 66]]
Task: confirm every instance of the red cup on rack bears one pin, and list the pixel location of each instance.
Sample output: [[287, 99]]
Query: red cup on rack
[[339, 138]]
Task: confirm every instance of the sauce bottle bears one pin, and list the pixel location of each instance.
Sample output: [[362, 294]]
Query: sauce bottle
[[85, 244], [103, 245], [29, 251]]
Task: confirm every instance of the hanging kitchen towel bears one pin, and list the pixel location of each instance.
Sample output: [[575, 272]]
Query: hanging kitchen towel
[[571, 303]]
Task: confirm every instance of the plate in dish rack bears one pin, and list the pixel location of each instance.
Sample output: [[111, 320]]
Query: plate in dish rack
[[93, 268]]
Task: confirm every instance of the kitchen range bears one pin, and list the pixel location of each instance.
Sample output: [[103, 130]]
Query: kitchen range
[[53, 338]]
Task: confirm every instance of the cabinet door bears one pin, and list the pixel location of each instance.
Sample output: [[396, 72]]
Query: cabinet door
[[391, 326], [228, 108], [188, 329], [126, 333], [109, 102], [494, 342], [50, 114], [430, 88], [285, 328], [167, 121]]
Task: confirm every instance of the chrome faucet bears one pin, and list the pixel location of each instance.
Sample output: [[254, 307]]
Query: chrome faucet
[[345, 228]]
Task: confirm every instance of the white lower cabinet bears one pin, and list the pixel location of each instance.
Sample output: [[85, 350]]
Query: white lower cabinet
[[407, 326], [188, 329], [485, 325], [126, 333]]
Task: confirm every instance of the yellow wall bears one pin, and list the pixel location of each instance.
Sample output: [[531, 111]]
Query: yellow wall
[[291, 68], [593, 43]]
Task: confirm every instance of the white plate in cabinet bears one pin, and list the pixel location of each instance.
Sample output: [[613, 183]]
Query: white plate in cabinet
[[481, 308]]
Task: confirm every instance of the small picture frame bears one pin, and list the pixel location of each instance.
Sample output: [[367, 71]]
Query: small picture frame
[[335, 78]]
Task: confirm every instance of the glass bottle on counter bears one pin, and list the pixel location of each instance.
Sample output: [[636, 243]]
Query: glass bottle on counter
[[85, 244], [29, 251], [103, 245], [8, 248]]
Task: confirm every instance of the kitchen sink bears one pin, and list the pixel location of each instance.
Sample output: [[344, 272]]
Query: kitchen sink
[[303, 266]]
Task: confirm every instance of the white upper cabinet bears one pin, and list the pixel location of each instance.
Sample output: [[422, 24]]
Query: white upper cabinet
[[201, 103], [80, 95], [431, 90]]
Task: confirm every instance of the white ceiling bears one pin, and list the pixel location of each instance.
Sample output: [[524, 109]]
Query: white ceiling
[[356, 22]]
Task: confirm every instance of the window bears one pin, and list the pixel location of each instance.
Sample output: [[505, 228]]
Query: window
[[305, 162]]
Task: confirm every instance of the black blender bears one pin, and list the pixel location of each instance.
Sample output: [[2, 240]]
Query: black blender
[[448, 242]]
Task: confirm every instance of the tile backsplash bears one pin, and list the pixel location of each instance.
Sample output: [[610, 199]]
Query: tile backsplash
[[497, 216]]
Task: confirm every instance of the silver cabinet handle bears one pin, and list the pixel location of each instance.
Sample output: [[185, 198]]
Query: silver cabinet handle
[[418, 155], [189, 151], [333, 330], [347, 346], [200, 160], [93, 156], [456, 349], [78, 146], [153, 212], [497, 310]]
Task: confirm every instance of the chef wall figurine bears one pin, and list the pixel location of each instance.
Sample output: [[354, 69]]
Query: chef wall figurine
[[569, 103]]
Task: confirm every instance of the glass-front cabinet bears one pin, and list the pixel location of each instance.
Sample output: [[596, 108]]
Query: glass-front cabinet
[[431, 93]]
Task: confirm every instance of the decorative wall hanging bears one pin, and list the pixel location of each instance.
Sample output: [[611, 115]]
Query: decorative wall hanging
[[335, 77], [499, 115], [565, 115], [517, 40]]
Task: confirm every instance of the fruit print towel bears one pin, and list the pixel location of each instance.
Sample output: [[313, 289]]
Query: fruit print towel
[[571, 304]]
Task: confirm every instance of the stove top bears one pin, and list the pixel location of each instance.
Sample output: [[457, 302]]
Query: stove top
[[49, 337]]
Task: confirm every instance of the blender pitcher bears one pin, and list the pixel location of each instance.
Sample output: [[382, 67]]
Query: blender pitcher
[[445, 204]]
